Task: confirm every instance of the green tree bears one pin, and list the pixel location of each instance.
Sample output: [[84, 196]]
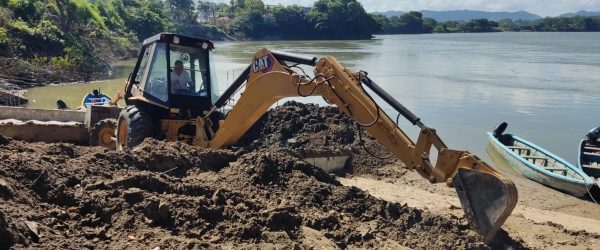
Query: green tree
[[250, 22], [29, 11], [408, 23], [341, 19], [181, 11], [449, 27], [144, 17], [206, 10], [507, 25], [480, 25], [290, 22], [428, 24]]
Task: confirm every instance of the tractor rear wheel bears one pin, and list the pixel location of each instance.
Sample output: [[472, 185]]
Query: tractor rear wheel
[[133, 126], [102, 132]]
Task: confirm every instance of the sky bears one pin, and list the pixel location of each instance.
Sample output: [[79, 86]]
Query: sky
[[540, 7]]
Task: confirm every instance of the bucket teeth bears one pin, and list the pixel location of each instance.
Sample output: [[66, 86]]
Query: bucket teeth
[[487, 199]]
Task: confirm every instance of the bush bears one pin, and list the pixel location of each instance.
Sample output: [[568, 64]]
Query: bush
[[60, 62], [30, 11], [39, 61], [4, 40], [21, 27], [49, 32]]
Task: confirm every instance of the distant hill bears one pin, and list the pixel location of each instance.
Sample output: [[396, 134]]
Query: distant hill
[[467, 15], [581, 13], [391, 13]]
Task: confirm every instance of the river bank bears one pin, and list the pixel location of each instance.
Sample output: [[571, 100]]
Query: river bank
[[19, 73], [19, 76]]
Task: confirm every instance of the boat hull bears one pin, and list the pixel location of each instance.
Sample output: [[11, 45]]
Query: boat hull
[[90, 99], [522, 166]]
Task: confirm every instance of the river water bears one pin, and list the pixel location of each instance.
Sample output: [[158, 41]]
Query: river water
[[545, 85]]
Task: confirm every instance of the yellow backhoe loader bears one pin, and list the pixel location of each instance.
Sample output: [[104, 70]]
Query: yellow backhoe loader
[[170, 94]]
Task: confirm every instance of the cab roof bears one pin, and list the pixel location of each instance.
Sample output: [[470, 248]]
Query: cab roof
[[179, 39]]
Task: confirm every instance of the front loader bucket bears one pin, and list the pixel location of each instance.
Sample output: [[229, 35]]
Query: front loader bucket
[[332, 163], [486, 198], [330, 160]]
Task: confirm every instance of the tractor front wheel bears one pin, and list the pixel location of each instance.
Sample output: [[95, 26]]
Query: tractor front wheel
[[101, 134], [133, 126]]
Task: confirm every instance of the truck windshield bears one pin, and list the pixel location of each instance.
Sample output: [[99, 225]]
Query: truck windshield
[[189, 70]]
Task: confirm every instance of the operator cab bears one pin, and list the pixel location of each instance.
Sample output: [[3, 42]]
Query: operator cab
[[174, 72]]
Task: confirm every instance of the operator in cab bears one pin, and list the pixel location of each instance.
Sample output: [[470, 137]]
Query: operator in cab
[[181, 82]]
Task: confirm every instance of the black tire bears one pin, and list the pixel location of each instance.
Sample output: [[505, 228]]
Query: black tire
[[102, 132], [133, 126]]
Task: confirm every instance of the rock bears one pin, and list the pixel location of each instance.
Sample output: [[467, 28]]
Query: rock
[[275, 237], [218, 197], [283, 220], [241, 207], [4, 140], [33, 227], [5, 189], [131, 238], [6, 235], [315, 239], [95, 233], [58, 213], [151, 210], [163, 212], [133, 195]]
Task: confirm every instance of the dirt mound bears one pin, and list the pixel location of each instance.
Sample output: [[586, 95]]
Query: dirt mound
[[172, 195], [301, 126]]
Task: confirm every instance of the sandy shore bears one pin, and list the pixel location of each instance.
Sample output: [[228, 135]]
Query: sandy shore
[[543, 219]]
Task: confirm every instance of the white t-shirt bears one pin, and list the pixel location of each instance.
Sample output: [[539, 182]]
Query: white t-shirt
[[180, 81]]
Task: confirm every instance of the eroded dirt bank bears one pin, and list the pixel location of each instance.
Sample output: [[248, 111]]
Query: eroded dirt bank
[[257, 194], [173, 195]]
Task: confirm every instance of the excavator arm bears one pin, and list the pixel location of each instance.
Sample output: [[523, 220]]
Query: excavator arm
[[486, 196]]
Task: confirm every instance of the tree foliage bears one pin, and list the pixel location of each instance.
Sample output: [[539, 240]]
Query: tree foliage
[[408, 23], [414, 23], [327, 19], [341, 19], [577, 23], [81, 37]]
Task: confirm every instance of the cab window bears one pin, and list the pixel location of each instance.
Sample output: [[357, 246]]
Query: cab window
[[156, 80], [188, 72], [143, 63]]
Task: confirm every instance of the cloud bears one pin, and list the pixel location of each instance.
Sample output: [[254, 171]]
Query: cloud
[[540, 7]]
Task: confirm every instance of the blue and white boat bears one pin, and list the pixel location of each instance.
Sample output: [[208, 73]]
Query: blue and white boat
[[95, 98], [538, 164]]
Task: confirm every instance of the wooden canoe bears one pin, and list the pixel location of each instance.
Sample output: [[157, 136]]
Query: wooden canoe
[[589, 157], [540, 165]]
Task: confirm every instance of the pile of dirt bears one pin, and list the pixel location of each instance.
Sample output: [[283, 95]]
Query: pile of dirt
[[171, 195], [306, 127]]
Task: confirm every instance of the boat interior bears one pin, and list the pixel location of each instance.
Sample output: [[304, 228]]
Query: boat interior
[[590, 155], [538, 158]]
